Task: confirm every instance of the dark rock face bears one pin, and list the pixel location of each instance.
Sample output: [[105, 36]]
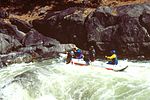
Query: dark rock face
[[129, 35], [125, 28], [45, 47], [120, 29], [101, 25], [15, 57], [66, 26], [33, 45], [134, 10], [61, 48], [47, 52], [11, 30], [34, 38], [3, 13], [21, 25], [145, 20], [106, 16], [8, 43]]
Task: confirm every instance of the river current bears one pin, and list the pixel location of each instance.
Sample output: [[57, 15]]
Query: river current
[[54, 80]]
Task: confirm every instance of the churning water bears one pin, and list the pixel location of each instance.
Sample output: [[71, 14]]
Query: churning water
[[54, 80]]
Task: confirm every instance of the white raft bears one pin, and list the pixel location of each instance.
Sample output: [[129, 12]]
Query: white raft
[[80, 62], [120, 67]]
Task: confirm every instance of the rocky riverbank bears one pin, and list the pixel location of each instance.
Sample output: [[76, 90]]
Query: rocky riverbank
[[124, 28]]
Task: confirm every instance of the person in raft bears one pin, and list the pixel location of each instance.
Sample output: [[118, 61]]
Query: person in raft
[[113, 58], [69, 57], [77, 53], [74, 53], [92, 53]]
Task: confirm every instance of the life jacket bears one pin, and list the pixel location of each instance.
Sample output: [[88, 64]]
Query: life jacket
[[113, 59]]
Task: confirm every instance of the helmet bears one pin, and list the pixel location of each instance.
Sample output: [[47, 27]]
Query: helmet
[[113, 51], [78, 50]]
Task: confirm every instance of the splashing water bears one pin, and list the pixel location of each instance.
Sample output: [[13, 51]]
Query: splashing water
[[54, 80]]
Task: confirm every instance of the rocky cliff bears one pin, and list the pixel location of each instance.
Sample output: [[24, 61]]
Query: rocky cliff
[[125, 28]]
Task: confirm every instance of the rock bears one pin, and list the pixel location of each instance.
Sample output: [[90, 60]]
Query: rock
[[21, 58], [124, 28], [67, 26], [121, 28], [34, 38], [130, 30], [144, 49], [21, 25], [54, 51], [134, 10], [61, 48], [27, 49], [3, 13], [106, 16], [141, 57], [145, 20], [2, 63], [17, 57], [11, 30], [8, 43], [43, 52]]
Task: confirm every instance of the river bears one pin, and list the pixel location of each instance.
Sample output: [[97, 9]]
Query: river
[[54, 80]]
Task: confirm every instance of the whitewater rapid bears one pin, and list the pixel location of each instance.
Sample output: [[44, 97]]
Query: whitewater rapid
[[54, 80]]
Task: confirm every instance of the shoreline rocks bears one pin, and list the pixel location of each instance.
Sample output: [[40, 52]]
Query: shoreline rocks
[[125, 29]]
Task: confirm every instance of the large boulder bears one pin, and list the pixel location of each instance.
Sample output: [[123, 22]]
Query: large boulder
[[11, 30], [34, 38], [16, 57], [67, 26], [21, 25], [53, 51], [8, 43], [134, 10], [47, 52], [145, 20], [61, 48], [122, 28], [3, 13]]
